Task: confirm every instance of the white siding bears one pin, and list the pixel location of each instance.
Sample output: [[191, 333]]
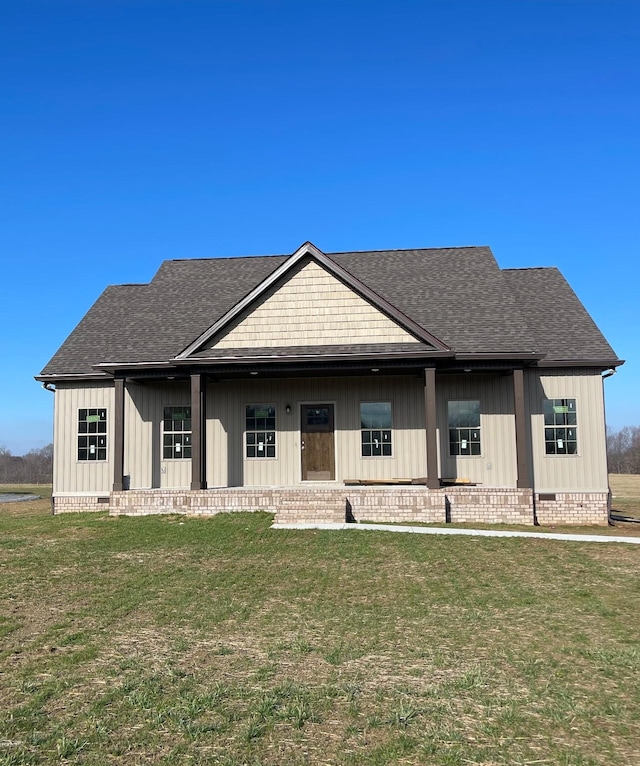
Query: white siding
[[586, 471], [312, 308], [70, 475]]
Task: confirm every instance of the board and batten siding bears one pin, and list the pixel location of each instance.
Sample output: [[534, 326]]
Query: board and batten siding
[[225, 425], [70, 475], [143, 460], [496, 465], [586, 471], [312, 308], [226, 461]]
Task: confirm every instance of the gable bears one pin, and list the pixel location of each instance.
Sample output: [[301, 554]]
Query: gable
[[452, 299], [312, 308]]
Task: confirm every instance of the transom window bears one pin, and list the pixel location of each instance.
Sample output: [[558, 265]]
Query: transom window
[[92, 434], [260, 430], [375, 425], [176, 437], [560, 427], [464, 427]]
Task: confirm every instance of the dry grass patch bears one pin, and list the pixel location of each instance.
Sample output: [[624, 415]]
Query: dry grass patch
[[625, 488]]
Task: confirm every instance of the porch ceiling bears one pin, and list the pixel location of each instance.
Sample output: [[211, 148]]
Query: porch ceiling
[[412, 363]]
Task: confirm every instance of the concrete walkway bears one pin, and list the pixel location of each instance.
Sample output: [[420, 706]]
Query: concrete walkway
[[472, 532]]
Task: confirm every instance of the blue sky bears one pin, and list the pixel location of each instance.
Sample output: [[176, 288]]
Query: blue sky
[[137, 130]]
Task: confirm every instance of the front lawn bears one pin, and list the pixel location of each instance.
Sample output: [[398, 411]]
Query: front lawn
[[175, 640]]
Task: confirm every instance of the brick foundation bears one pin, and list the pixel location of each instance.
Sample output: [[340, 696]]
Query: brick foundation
[[79, 503], [578, 508], [399, 504], [488, 505]]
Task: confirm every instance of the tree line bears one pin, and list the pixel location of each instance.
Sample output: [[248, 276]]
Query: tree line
[[36, 467], [623, 450]]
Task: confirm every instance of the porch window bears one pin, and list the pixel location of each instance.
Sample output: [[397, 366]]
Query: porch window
[[375, 426], [260, 430], [560, 427], [92, 434], [176, 437], [464, 427]]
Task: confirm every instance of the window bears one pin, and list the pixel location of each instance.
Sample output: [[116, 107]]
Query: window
[[464, 427], [260, 430], [560, 427], [375, 422], [92, 434], [176, 437]]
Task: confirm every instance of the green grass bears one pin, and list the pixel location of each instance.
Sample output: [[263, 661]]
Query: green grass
[[174, 640]]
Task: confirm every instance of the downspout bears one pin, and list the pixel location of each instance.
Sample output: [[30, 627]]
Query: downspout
[[607, 374], [49, 386]]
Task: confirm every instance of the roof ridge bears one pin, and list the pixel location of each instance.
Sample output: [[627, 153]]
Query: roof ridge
[[225, 258], [332, 252], [409, 249], [426, 290]]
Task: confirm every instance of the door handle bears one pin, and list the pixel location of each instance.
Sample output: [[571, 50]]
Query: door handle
[[302, 444]]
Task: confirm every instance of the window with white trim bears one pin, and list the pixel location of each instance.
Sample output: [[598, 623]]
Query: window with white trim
[[176, 433], [560, 427], [464, 427], [260, 430], [375, 429], [92, 433]]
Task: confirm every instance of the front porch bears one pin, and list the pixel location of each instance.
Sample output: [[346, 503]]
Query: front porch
[[392, 504]]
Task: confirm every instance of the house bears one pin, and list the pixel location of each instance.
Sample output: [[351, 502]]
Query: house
[[426, 385]]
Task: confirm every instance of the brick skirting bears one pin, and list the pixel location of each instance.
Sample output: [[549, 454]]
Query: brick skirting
[[404, 504], [580, 508], [79, 503]]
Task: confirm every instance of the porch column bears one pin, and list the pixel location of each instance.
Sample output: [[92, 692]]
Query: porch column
[[118, 437], [522, 452], [433, 481], [198, 472]]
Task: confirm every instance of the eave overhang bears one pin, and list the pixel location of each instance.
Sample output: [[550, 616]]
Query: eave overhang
[[71, 377], [524, 356], [337, 360], [604, 364], [328, 363]]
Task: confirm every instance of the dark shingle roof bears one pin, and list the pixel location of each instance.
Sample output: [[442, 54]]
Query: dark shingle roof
[[459, 295], [315, 351], [555, 314]]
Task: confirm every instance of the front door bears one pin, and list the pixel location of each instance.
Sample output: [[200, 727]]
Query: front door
[[316, 442]]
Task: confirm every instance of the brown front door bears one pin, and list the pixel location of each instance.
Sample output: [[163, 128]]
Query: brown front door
[[316, 434]]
